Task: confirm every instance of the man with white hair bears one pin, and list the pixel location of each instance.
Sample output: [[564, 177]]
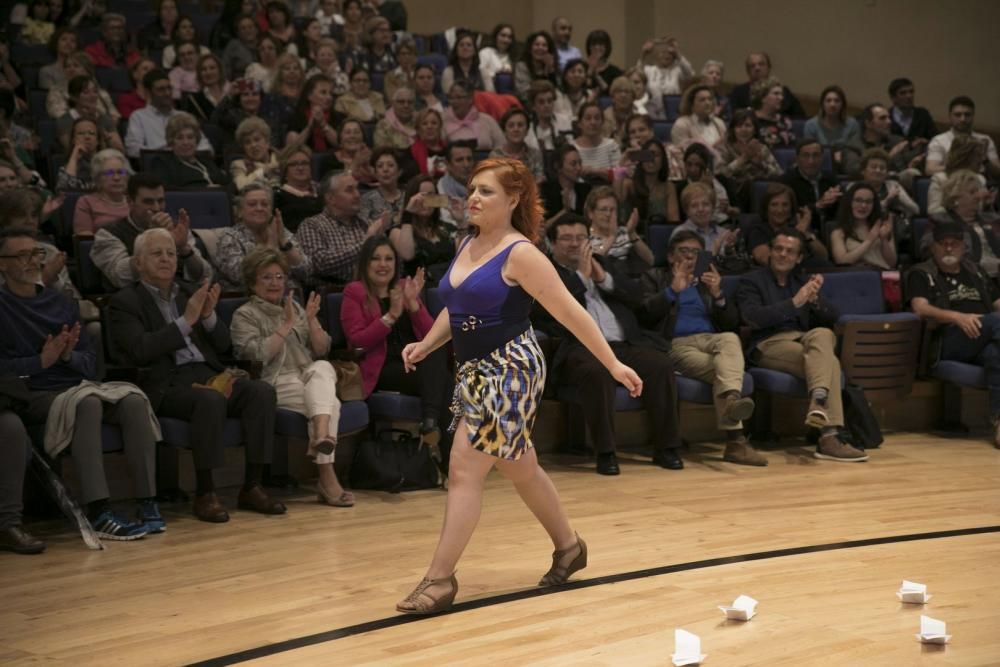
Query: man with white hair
[[332, 239], [170, 328]]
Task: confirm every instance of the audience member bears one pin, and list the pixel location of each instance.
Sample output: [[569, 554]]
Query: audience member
[[668, 74], [698, 122], [241, 49], [758, 66], [573, 92], [463, 64], [377, 54], [698, 202], [184, 75], [85, 102], [404, 75], [711, 75], [766, 100], [298, 197], [637, 77], [600, 286], [397, 129], [540, 60], [424, 81], [361, 102], [265, 68], [616, 115], [562, 33], [548, 130], [182, 167], [57, 102], [112, 49], [158, 34], [109, 171], [422, 239], [463, 122], [864, 234], [85, 140], [876, 132], [515, 131], [259, 162], [258, 225], [962, 195], [385, 197], [212, 89], [245, 100], [812, 187], [63, 45], [780, 212], [699, 167], [600, 73], [789, 323], [566, 192], [291, 344], [328, 64], [891, 195], [171, 329], [184, 31], [312, 123], [599, 154], [909, 121], [352, 153], [744, 159], [147, 127], [496, 58], [132, 101], [309, 39], [955, 292], [836, 131], [609, 239], [966, 152], [961, 114], [651, 190], [286, 85], [702, 326], [429, 147], [280, 26]]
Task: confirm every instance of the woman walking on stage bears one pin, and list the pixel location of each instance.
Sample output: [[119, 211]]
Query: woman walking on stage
[[488, 293]]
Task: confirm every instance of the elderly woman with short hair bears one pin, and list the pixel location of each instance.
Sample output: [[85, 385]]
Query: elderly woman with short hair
[[397, 129], [85, 102], [962, 195], [258, 226], [698, 122], [289, 340], [618, 113], [110, 171], [773, 127], [183, 167], [259, 162]]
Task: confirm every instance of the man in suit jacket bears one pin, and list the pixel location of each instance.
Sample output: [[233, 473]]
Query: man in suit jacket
[[609, 296], [790, 332], [171, 329], [811, 186]]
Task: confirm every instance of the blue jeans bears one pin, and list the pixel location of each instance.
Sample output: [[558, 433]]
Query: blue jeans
[[984, 350]]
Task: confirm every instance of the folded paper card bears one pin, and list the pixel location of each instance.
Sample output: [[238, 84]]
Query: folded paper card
[[932, 631], [913, 593], [743, 609], [687, 648]]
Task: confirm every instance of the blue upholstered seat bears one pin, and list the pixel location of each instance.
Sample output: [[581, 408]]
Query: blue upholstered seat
[[962, 374]]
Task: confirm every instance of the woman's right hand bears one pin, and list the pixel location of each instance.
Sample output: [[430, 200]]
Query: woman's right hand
[[413, 354], [396, 298], [289, 309], [624, 375]]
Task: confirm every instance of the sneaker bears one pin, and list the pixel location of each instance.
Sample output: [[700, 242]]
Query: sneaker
[[817, 416], [740, 451], [149, 514], [833, 448], [110, 526]]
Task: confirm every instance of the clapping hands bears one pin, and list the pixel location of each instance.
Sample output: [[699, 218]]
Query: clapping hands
[[60, 346]]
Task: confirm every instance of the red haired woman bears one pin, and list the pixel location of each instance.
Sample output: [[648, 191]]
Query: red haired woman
[[488, 292]]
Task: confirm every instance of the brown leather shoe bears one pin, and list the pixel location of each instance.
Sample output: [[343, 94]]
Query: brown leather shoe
[[737, 408], [208, 508], [439, 598], [562, 566], [254, 499], [19, 541], [741, 452]]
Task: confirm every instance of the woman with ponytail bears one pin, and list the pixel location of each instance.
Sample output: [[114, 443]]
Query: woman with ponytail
[[488, 292]]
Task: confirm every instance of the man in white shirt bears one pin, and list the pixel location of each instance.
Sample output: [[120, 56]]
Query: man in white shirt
[[562, 32], [961, 114], [147, 127]]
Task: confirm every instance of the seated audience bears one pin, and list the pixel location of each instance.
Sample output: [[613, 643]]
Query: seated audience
[[909, 121], [699, 167], [562, 33], [85, 102], [955, 292], [114, 243], [515, 131], [382, 313], [790, 331], [350, 32], [245, 100], [429, 147], [183, 167], [352, 153], [780, 211], [127, 103], [599, 285], [422, 239], [158, 34], [286, 87], [639, 132], [241, 50], [775, 129], [112, 49], [698, 201], [565, 192], [212, 89], [258, 225], [259, 162], [863, 235], [298, 197], [698, 122], [361, 102], [966, 152], [836, 131], [539, 61], [711, 76], [702, 326], [573, 92], [312, 123], [376, 54], [109, 171], [620, 110], [309, 39], [61, 380], [171, 329], [147, 127], [280, 26], [744, 159], [961, 115], [57, 100], [464, 122], [397, 129], [668, 74], [463, 64], [63, 45], [905, 159], [599, 154], [892, 197], [290, 342], [332, 239], [650, 188], [609, 239], [601, 74], [184, 75], [385, 197], [962, 195], [85, 140], [327, 64], [14, 458], [548, 130], [454, 183], [637, 77], [812, 187], [496, 57], [184, 31], [424, 81], [758, 66], [404, 76]]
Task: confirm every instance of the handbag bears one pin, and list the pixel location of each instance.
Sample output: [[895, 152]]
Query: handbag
[[859, 419], [350, 386], [394, 461]]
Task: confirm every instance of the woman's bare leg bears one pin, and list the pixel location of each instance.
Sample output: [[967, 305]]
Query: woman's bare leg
[[539, 494]]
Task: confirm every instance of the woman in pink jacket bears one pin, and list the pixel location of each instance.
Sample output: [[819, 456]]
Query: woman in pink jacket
[[382, 313]]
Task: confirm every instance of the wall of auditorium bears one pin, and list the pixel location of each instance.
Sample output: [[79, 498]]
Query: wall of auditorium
[[946, 48]]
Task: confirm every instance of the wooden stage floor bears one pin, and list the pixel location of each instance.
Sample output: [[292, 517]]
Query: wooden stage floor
[[318, 586]]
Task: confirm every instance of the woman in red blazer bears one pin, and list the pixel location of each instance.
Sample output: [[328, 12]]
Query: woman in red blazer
[[382, 313]]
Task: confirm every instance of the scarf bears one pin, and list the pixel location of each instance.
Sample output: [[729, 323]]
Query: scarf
[[408, 131]]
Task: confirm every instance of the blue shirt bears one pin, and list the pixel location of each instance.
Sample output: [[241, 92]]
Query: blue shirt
[[692, 317]]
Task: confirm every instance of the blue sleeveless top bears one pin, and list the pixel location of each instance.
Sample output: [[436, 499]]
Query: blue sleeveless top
[[485, 312]]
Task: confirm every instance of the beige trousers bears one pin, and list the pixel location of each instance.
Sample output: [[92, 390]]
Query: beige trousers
[[716, 359], [810, 355], [311, 393]]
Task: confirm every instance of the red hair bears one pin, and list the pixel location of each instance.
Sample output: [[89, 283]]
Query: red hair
[[518, 181]]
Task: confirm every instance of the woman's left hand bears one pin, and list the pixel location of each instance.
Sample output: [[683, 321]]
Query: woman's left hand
[[312, 307], [413, 354], [624, 375], [633, 221]]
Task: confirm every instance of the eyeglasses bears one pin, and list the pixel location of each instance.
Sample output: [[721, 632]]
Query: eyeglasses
[[567, 238], [272, 278], [25, 257], [108, 173]]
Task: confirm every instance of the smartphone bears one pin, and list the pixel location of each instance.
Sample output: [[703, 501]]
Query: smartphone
[[641, 155], [703, 263], [436, 201]]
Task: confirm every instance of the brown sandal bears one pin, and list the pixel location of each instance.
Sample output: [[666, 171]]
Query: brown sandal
[[560, 572], [415, 601]]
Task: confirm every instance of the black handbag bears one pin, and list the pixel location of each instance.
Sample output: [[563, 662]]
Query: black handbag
[[395, 461], [859, 419]]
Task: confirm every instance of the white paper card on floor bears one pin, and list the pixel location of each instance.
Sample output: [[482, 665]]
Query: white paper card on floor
[[913, 593], [687, 648], [932, 631], [743, 609]]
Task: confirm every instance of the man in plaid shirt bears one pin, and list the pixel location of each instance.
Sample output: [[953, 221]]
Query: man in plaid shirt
[[332, 239]]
